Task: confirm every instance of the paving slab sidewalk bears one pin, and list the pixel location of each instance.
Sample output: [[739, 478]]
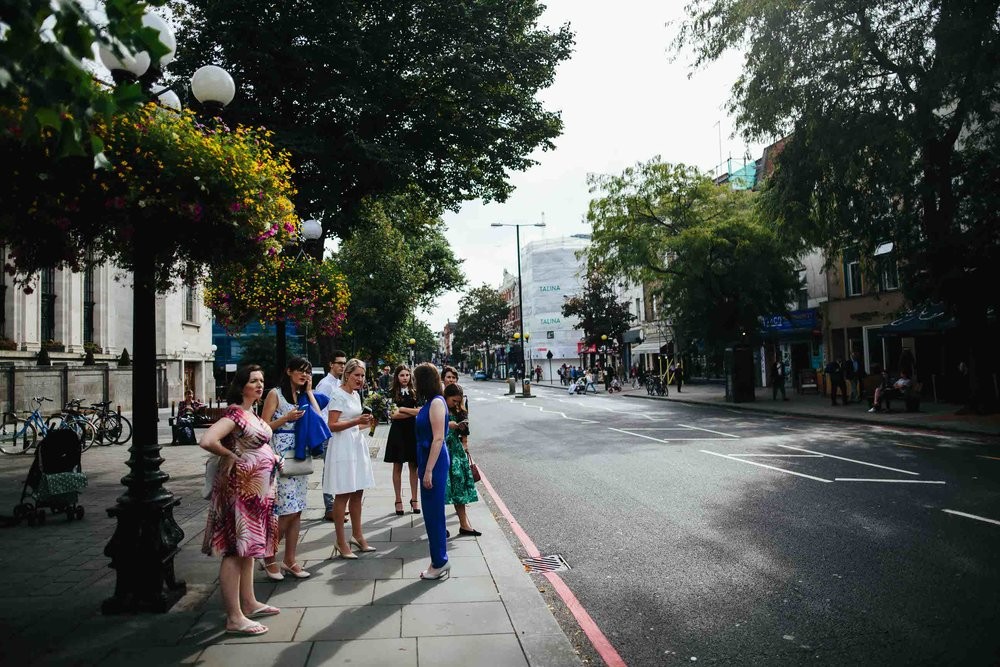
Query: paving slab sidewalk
[[936, 416], [371, 611]]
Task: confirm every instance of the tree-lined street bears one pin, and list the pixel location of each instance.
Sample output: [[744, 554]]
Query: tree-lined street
[[742, 538]]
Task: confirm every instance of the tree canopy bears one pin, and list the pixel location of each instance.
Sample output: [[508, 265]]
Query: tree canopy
[[43, 79], [891, 115], [482, 318], [600, 313], [715, 265], [375, 97], [399, 263]]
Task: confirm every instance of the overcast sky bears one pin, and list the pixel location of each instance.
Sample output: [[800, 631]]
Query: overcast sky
[[622, 101]]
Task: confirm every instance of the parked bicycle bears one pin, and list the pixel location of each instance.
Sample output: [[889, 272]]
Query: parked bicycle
[[111, 427], [656, 385], [19, 434], [73, 418]]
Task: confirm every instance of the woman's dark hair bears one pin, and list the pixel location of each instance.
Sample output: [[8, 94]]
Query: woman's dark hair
[[294, 364], [450, 369], [240, 380], [426, 381], [453, 390], [394, 387]]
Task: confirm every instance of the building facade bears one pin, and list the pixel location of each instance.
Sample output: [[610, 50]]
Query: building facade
[[70, 313], [551, 272]]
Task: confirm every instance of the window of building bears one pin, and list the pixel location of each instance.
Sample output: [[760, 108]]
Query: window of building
[[88, 301], [48, 298], [190, 294], [888, 273], [852, 278], [638, 307]]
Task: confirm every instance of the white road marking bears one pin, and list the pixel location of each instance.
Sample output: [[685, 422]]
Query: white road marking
[[841, 458], [761, 465], [972, 516], [783, 456], [638, 435], [658, 428], [983, 456], [889, 481], [561, 414], [899, 444], [698, 428]]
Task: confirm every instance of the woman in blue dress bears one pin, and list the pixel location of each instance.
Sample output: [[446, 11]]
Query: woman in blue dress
[[433, 465]]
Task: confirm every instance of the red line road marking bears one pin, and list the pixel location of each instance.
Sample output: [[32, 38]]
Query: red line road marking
[[587, 624]]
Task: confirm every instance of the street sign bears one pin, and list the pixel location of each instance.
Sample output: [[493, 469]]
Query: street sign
[[548, 355], [230, 368], [550, 334]]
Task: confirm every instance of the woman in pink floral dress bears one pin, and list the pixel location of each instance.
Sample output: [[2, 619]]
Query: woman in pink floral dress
[[241, 523]]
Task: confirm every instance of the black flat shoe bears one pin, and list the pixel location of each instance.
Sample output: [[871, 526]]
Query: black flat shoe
[[473, 532], [413, 507]]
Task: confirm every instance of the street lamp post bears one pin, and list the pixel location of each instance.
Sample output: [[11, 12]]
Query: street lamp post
[[311, 230], [411, 342], [530, 367], [520, 294], [146, 536]]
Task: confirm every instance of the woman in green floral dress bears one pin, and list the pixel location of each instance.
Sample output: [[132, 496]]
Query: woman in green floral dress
[[461, 488]]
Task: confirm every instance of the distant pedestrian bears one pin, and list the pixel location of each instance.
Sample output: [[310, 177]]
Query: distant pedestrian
[[835, 371], [677, 373], [778, 379]]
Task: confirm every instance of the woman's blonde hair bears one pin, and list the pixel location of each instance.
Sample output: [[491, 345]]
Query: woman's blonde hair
[[352, 364]]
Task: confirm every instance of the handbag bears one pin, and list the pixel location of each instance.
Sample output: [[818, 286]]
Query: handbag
[[211, 472], [297, 468], [476, 476]]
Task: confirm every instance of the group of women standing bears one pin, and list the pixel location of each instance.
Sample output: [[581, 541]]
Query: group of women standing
[[256, 502]]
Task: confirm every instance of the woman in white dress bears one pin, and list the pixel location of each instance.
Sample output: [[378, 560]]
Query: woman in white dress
[[348, 469]]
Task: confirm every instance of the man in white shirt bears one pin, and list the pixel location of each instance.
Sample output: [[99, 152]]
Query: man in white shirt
[[326, 386]]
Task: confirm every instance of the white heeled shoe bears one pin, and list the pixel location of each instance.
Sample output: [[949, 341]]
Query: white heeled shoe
[[367, 549], [298, 574], [273, 576], [445, 570], [337, 553]]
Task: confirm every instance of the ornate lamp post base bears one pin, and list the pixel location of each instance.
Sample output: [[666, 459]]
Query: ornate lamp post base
[[142, 551]]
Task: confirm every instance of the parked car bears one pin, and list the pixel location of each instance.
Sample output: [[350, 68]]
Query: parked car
[[480, 375]]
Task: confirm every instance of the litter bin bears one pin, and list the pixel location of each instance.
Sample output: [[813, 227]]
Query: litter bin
[[739, 374], [511, 386], [526, 387]]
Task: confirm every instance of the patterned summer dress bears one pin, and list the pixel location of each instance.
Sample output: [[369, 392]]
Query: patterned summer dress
[[291, 496], [241, 519], [461, 487]]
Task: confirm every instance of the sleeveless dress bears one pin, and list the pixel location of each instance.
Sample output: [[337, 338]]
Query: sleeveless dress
[[461, 487], [348, 465], [401, 444], [241, 519], [291, 494], [433, 498]]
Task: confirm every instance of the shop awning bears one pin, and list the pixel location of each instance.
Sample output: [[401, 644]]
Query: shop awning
[[648, 347], [928, 320]]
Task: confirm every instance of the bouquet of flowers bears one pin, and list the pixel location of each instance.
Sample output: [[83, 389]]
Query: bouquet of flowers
[[378, 406]]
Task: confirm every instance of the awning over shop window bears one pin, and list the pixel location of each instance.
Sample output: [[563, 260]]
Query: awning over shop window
[[649, 347], [928, 320]]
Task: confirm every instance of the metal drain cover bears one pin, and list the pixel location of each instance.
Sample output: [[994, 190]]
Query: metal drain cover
[[554, 563]]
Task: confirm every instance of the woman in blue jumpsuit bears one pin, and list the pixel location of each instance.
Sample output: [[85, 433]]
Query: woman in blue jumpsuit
[[433, 465]]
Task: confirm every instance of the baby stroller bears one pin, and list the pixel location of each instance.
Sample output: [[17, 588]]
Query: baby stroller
[[54, 479], [578, 387]]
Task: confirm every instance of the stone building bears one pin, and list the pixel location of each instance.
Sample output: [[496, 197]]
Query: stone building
[[69, 313]]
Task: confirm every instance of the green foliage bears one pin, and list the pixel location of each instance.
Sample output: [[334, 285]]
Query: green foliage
[[206, 195], [715, 265], [373, 97], [399, 263], [424, 348], [43, 77], [891, 109], [599, 312], [482, 318]]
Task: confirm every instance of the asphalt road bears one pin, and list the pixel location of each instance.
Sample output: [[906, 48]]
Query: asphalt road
[[685, 548]]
